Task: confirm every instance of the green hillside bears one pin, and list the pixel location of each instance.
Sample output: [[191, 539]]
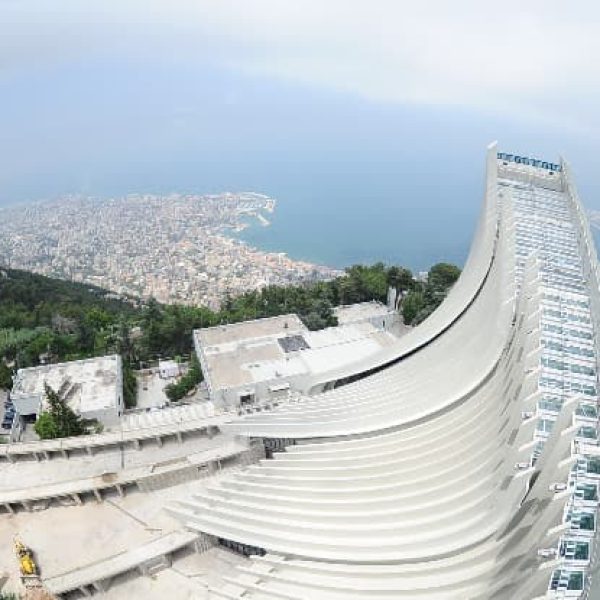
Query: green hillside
[[53, 320]]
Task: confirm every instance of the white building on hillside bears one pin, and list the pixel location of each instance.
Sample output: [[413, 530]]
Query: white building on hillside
[[93, 388], [375, 313], [267, 358]]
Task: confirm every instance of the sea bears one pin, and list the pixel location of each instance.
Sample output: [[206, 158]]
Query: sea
[[355, 181]]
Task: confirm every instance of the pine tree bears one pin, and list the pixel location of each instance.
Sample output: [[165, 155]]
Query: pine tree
[[60, 420]]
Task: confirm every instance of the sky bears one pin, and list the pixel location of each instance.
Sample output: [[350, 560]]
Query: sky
[[106, 97]]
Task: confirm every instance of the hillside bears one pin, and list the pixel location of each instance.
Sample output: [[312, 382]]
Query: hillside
[[54, 320]]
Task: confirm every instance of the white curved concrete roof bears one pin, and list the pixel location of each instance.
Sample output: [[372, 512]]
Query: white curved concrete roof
[[415, 481]]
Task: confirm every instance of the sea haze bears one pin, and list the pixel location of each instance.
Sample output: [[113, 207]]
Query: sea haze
[[355, 181]]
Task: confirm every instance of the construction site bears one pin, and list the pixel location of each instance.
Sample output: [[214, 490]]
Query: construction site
[[91, 514]]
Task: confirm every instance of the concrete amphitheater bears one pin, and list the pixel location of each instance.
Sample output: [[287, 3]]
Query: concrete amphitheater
[[456, 464], [459, 463]]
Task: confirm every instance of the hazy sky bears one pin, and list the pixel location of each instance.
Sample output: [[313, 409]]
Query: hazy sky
[[100, 95]]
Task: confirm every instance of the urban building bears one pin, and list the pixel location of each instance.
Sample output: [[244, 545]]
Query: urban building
[[93, 388], [168, 369], [461, 461], [258, 361], [377, 314]]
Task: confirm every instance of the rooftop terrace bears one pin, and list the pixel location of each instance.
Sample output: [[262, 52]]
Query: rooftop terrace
[[88, 385]]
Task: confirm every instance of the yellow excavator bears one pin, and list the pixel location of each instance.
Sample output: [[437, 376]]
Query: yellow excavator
[[26, 563]]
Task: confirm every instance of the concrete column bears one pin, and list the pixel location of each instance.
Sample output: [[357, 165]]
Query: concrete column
[[83, 589], [159, 441], [9, 508], [64, 453], [10, 457], [179, 437], [97, 494], [89, 450], [36, 456], [120, 489], [26, 505], [77, 499], [46, 454], [203, 543], [143, 569], [136, 444], [100, 586]]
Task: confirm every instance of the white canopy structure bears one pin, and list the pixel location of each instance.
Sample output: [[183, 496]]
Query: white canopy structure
[[458, 463]]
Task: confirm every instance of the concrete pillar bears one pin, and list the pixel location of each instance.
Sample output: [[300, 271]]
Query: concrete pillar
[[64, 453], [203, 543], [179, 437], [89, 450], [9, 508], [10, 457], [137, 445], [143, 569], [26, 505], [46, 454], [77, 499], [159, 441], [97, 494], [120, 489], [83, 589], [36, 456], [100, 586]]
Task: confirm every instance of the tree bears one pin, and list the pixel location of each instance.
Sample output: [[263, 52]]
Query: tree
[[129, 384], [5, 376], [400, 278], [153, 318], [98, 318], [412, 305], [60, 420], [125, 346], [442, 276], [176, 391], [46, 427]]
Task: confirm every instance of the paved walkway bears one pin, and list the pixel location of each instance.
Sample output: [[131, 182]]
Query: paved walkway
[[102, 570]]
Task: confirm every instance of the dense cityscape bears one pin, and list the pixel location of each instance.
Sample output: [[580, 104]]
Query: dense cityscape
[[176, 248]]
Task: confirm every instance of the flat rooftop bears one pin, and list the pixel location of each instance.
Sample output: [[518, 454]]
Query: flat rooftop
[[351, 313], [267, 350], [88, 385], [259, 328]]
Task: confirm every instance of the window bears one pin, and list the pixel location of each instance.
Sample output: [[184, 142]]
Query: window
[[587, 410], [550, 403], [587, 432], [569, 580], [593, 465], [575, 580], [584, 521], [575, 550], [586, 491], [246, 398], [587, 521], [544, 425]]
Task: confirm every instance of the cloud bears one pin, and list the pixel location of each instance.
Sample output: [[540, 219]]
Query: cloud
[[535, 59]]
